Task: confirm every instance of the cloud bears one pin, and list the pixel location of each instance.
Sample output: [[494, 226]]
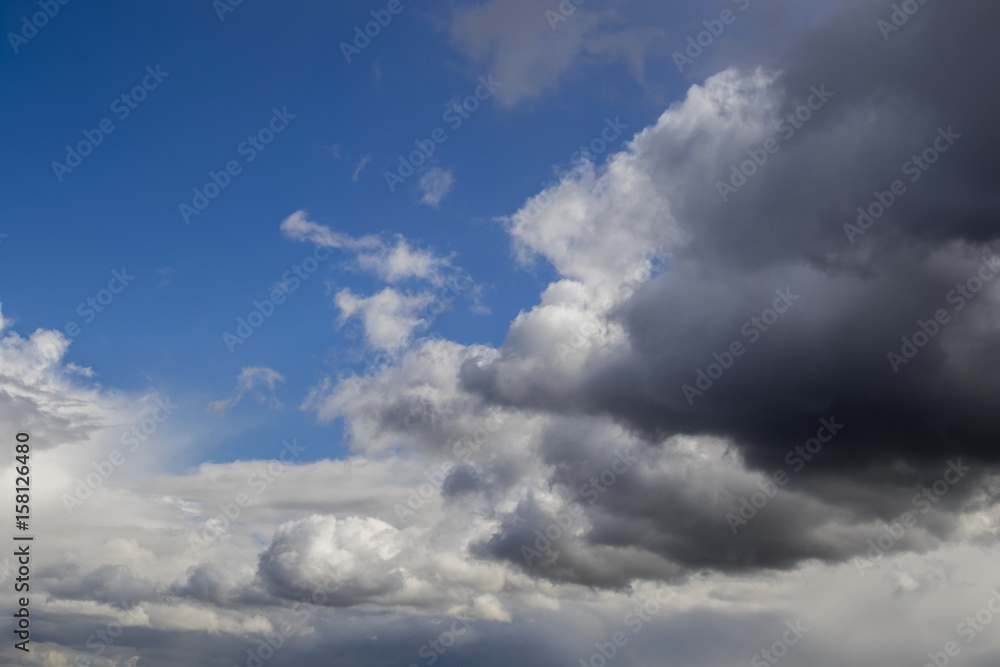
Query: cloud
[[400, 262], [399, 560], [392, 262], [298, 227], [856, 300], [251, 378], [531, 53], [573, 438], [435, 185], [42, 396], [613, 338], [389, 317], [362, 163]]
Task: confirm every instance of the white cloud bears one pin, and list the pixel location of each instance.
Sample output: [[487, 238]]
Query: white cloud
[[400, 262], [391, 262], [601, 223], [435, 185], [389, 317], [40, 394], [298, 227]]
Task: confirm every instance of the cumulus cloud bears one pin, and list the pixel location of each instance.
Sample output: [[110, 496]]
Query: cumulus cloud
[[389, 317], [400, 262], [40, 393]]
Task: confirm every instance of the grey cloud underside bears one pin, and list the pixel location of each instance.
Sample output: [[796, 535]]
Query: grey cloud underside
[[665, 518]]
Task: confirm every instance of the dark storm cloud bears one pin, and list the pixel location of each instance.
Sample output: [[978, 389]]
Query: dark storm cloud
[[815, 307], [784, 230], [827, 357], [830, 355], [889, 100]]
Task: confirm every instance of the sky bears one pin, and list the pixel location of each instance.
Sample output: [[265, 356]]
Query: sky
[[505, 331]]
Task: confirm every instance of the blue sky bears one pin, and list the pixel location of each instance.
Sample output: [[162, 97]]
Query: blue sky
[[222, 79]]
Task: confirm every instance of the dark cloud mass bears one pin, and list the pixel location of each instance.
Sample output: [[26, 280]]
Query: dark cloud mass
[[785, 230], [850, 296]]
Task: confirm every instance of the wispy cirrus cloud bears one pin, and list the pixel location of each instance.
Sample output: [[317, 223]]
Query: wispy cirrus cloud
[[250, 379]]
